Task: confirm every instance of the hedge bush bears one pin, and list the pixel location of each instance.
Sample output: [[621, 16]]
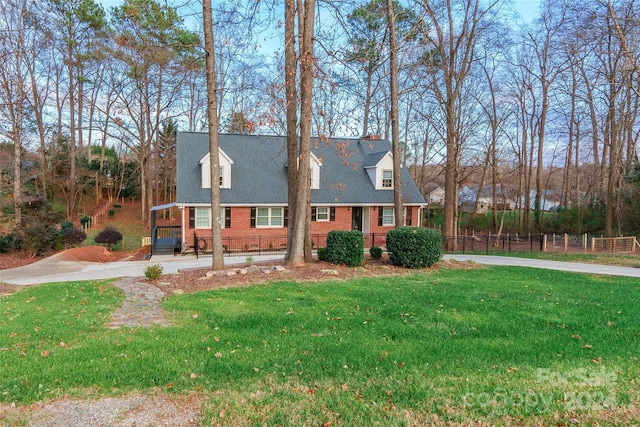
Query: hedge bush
[[108, 236], [85, 220], [414, 247], [345, 247], [375, 252], [322, 254], [73, 237], [66, 225], [112, 212], [6, 243]]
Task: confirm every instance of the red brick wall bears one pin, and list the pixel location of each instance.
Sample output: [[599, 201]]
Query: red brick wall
[[241, 227]]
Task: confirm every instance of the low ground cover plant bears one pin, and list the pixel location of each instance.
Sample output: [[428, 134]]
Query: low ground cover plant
[[434, 347]]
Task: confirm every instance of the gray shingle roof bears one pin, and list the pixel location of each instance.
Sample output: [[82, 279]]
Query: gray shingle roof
[[259, 174]]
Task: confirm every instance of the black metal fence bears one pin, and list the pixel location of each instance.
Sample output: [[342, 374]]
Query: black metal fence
[[268, 244], [475, 243]]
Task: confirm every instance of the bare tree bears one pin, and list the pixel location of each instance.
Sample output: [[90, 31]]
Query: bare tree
[[453, 27], [395, 131], [13, 87], [299, 150], [217, 262]]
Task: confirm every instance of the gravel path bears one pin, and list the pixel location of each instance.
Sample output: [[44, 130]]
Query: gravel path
[[141, 307], [116, 411]]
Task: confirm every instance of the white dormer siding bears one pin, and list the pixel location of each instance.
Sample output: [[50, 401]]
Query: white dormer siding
[[316, 164], [225, 170], [315, 172], [380, 170]]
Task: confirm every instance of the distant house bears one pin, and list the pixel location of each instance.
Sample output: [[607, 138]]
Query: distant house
[[351, 186], [549, 201], [468, 195], [434, 194]]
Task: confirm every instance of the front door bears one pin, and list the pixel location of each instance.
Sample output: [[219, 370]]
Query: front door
[[356, 218]]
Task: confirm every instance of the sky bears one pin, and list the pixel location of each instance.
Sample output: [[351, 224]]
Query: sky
[[528, 9]]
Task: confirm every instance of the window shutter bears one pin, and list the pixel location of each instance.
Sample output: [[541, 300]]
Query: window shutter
[[313, 214], [192, 217], [380, 213], [253, 217], [409, 215], [286, 217], [332, 214], [227, 217]]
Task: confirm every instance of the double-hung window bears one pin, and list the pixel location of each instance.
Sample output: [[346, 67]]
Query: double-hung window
[[387, 179], [203, 217], [269, 217], [322, 214], [387, 216]]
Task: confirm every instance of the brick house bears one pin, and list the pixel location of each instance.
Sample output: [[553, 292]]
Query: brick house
[[351, 187]]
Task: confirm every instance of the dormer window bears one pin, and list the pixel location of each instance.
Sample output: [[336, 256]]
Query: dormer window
[[379, 167], [387, 179], [224, 173]]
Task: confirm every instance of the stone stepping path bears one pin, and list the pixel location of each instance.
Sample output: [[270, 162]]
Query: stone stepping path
[[141, 307]]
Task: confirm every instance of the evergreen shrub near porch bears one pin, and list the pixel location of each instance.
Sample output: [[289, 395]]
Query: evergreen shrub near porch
[[345, 247], [414, 247]]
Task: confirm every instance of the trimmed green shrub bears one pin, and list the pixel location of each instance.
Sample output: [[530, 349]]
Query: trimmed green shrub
[[73, 237], [322, 254], [58, 245], [112, 212], [375, 252], [85, 220], [414, 247], [153, 271], [117, 205], [66, 225], [345, 247], [6, 243], [109, 236]]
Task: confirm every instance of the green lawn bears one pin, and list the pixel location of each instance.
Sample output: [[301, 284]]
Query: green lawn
[[493, 344]]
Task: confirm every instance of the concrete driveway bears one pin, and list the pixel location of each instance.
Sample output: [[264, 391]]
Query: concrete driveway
[[576, 267], [55, 269]]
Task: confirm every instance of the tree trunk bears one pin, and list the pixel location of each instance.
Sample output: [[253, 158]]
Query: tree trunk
[[300, 250], [290, 60], [71, 205], [395, 131], [217, 262]]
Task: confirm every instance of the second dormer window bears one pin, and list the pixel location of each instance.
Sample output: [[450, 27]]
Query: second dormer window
[[387, 179]]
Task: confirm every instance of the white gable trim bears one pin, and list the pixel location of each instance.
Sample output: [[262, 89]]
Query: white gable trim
[[225, 164]]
